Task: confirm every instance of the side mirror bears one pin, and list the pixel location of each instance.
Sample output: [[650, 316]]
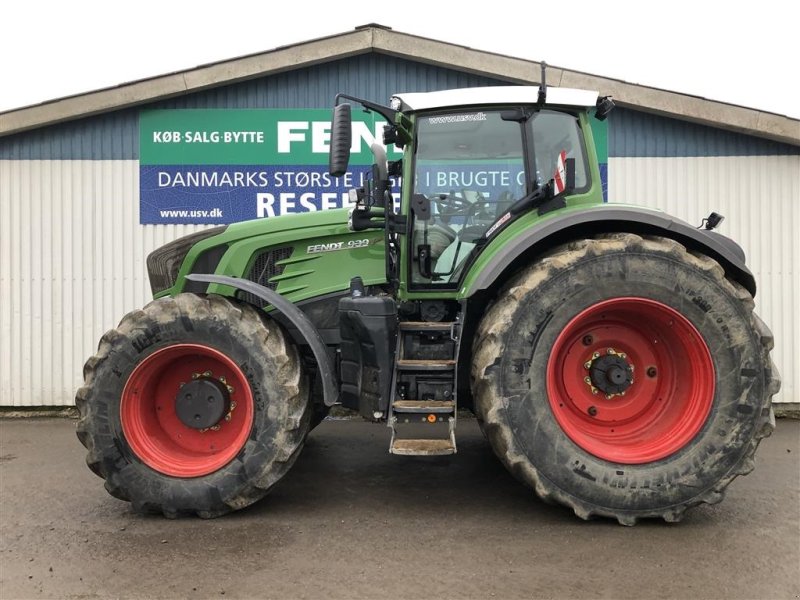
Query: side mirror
[[341, 140]]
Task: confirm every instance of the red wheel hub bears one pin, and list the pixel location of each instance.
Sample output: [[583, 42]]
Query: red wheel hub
[[630, 380], [155, 431]]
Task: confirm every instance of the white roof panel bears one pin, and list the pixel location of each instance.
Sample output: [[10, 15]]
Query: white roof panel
[[515, 94]]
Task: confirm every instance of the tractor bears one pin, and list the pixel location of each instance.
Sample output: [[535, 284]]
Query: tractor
[[610, 353]]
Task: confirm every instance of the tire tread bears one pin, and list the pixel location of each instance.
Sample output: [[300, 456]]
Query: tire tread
[[487, 349]]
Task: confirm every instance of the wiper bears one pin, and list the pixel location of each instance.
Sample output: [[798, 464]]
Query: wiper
[[539, 195], [543, 197]]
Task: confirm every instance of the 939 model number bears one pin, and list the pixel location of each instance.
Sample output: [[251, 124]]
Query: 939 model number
[[334, 246]]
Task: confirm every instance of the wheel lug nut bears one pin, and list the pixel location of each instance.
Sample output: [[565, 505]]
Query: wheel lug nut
[[587, 364], [596, 355], [587, 380]]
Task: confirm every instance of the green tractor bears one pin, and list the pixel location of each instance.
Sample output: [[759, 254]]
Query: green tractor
[[610, 353]]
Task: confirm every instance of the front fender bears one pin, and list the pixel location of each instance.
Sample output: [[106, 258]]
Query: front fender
[[296, 317], [505, 255]]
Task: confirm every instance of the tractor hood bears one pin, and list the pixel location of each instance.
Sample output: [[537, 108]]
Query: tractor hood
[[300, 255], [273, 225], [201, 252]]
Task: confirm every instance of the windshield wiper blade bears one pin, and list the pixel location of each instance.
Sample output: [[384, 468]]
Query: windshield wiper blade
[[539, 195]]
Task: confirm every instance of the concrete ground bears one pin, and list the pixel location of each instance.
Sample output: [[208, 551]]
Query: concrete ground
[[352, 521]]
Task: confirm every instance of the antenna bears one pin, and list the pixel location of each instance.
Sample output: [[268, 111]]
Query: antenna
[[543, 85]]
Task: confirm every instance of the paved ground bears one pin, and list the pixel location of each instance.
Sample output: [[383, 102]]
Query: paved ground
[[351, 521]]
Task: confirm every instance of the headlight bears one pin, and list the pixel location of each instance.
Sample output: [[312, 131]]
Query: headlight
[[164, 263]]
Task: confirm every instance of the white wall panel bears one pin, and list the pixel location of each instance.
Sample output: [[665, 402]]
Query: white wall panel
[[760, 198], [72, 263], [72, 253]]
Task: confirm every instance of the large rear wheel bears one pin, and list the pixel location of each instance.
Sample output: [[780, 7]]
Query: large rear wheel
[[625, 377], [193, 405]]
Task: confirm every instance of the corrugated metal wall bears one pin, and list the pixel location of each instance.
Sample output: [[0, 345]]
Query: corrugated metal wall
[[116, 135], [71, 265], [72, 250], [760, 198], [633, 133]]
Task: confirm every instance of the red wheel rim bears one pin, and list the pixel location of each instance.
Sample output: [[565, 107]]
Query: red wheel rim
[[672, 388], [152, 427]]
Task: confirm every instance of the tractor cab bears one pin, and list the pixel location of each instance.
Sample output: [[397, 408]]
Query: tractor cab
[[475, 162]]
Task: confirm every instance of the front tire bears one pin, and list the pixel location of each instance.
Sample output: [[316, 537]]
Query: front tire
[[624, 377], [133, 405]]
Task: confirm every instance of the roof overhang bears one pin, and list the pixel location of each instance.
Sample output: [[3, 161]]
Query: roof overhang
[[375, 38]]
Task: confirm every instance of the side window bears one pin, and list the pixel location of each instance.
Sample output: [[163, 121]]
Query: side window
[[553, 132], [471, 166]]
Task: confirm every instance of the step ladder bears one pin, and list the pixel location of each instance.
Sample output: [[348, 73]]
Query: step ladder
[[422, 413]]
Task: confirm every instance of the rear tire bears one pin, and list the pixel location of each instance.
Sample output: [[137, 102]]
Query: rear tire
[[690, 396], [129, 421]]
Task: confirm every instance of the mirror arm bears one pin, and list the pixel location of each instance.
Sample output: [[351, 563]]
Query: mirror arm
[[387, 113]]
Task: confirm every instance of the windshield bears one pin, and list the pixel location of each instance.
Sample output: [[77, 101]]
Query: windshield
[[472, 167]]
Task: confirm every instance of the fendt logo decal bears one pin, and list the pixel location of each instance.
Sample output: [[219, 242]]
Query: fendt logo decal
[[334, 246]]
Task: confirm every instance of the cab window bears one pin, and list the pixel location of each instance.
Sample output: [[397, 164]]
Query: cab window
[[471, 167]]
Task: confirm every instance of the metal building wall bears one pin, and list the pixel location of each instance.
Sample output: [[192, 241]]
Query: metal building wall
[[72, 250], [71, 265], [116, 135]]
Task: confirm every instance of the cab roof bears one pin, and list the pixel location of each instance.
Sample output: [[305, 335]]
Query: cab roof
[[483, 96]]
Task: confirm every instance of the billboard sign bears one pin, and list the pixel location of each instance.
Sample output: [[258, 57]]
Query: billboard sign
[[218, 166], [221, 165]]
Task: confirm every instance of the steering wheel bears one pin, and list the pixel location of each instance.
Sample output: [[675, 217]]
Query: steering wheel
[[450, 205]]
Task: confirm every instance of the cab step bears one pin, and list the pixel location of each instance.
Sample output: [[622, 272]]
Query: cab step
[[426, 365], [422, 447], [424, 406], [426, 326]]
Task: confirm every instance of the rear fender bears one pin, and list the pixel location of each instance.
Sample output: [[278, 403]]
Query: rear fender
[[567, 226]]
